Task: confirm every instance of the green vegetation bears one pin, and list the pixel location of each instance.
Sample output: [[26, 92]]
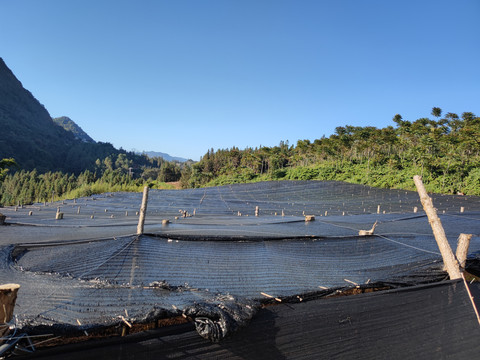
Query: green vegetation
[[110, 175], [37, 142], [5, 164], [445, 151]]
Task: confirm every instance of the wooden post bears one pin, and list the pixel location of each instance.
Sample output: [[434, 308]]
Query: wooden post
[[8, 296], [463, 243], [143, 210], [449, 260], [368, 232], [2, 219]]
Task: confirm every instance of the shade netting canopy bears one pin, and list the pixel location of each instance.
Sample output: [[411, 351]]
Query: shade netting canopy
[[90, 269]]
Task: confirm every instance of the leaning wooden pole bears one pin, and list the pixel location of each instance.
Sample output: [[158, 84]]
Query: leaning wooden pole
[[143, 210], [449, 260]]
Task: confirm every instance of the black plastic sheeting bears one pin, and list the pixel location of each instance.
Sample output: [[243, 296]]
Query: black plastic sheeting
[[434, 321], [88, 270]]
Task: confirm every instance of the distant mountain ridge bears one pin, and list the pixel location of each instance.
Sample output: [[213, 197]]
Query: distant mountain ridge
[[69, 125], [165, 156], [36, 141], [26, 127]]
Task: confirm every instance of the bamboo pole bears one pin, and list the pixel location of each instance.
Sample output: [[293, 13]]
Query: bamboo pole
[[449, 260], [463, 243], [471, 299], [143, 210]]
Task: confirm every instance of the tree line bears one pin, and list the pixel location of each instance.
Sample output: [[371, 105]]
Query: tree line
[[114, 173], [444, 150]]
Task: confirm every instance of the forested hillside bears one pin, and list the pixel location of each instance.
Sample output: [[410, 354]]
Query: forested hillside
[[111, 174], [30, 136], [445, 150], [39, 158]]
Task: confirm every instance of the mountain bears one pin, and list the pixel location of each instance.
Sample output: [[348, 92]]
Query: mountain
[[30, 136], [69, 125], [27, 126], [36, 141], [166, 157]]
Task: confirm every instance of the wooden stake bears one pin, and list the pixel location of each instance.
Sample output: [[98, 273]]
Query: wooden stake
[[8, 296], [463, 243], [351, 282], [271, 297], [143, 210], [84, 331], [58, 215], [449, 260], [125, 321], [368, 232]]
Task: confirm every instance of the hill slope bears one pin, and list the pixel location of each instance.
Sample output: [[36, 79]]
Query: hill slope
[[27, 127], [30, 136]]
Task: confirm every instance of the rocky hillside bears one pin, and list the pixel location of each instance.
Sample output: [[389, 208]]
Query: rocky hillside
[[29, 135]]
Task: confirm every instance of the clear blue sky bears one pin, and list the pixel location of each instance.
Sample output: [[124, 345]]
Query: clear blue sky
[[184, 76]]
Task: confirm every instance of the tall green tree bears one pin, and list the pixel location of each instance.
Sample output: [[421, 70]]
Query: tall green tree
[[5, 165], [437, 112]]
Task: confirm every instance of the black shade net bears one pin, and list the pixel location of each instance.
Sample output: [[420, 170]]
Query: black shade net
[[89, 269]]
